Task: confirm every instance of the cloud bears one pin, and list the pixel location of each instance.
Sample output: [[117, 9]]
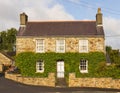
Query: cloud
[[112, 31], [54, 12], [57, 12], [49, 10], [36, 10]]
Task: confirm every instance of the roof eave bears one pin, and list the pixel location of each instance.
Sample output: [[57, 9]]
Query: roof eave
[[74, 36]]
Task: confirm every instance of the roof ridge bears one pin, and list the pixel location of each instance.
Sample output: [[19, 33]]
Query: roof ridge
[[62, 21]]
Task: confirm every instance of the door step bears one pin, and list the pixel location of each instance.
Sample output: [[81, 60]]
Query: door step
[[61, 82]]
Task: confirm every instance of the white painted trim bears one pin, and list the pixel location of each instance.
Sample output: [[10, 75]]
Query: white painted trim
[[84, 71], [81, 42], [42, 51], [22, 25], [58, 45], [60, 69], [37, 68]]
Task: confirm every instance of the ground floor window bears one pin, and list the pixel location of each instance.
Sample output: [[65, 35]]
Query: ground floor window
[[83, 66], [40, 66]]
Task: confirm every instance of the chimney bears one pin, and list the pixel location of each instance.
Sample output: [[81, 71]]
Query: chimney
[[99, 17], [23, 19]]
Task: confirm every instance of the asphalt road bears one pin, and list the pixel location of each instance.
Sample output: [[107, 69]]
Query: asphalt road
[[8, 86]]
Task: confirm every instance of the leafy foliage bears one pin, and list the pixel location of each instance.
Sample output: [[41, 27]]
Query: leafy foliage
[[8, 39], [26, 62], [114, 56]]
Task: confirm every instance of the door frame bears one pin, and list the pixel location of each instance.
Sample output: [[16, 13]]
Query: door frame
[[60, 69]]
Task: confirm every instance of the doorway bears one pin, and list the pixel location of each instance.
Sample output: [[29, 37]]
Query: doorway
[[60, 69]]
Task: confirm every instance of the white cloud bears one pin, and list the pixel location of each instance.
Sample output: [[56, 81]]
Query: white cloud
[[36, 10], [112, 32], [57, 12], [54, 12]]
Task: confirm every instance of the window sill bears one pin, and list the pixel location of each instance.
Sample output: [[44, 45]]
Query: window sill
[[83, 71], [39, 72], [40, 52]]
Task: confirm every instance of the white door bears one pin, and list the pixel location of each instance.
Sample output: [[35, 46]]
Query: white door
[[60, 69]]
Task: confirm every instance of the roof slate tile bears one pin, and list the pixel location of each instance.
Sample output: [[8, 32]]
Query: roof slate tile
[[61, 28]]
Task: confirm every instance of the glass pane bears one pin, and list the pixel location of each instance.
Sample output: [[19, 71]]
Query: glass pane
[[83, 65], [39, 66], [61, 48], [40, 42], [60, 42]]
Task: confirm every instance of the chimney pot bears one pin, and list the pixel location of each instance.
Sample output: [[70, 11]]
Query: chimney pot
[[99, 10]]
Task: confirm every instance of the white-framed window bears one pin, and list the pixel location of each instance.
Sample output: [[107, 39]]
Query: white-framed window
[[60, 46], [83, 46], [39, 45], [83, 67], [40, 66]]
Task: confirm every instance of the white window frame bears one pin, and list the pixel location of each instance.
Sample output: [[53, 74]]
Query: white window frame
[[83, 67], [83, 46], [58, 45], [40, 67], [40, 45]]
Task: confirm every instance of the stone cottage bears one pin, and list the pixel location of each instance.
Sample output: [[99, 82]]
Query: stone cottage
[[61, 37]]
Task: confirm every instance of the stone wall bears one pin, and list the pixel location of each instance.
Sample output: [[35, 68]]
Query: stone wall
[[93, 82], [1, 68], [5, 60], [28, 44], [48, 81]]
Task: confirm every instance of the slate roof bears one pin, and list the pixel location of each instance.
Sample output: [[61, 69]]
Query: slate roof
[[9, 55], [61, 28]]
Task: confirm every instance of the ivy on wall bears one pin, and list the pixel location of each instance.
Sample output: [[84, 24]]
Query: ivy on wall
[[26, 62]]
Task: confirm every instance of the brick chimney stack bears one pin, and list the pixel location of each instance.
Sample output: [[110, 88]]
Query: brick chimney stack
[[23, 19], [99, 17]]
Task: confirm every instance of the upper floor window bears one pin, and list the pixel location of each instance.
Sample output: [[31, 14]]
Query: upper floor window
[[40, 66], [40, 45], [60, 46], [83, 66], [83, 46]]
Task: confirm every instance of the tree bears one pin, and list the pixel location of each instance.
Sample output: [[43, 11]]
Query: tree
[[8, 39], [108, 49], [4, 40], [114, 55], [11, 38]]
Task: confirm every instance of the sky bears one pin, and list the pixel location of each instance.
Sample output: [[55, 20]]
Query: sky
[[43, 10]]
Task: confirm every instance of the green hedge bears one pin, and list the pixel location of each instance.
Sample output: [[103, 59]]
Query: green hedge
[[26, 62]]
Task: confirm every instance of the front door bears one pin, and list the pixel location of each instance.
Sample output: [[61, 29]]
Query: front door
[[60, 69]]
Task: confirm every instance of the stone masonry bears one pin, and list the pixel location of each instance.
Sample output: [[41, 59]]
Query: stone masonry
[[73, 81], [1, 68], [5, 60], [28, 44], [93, 82], [47, 81]]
